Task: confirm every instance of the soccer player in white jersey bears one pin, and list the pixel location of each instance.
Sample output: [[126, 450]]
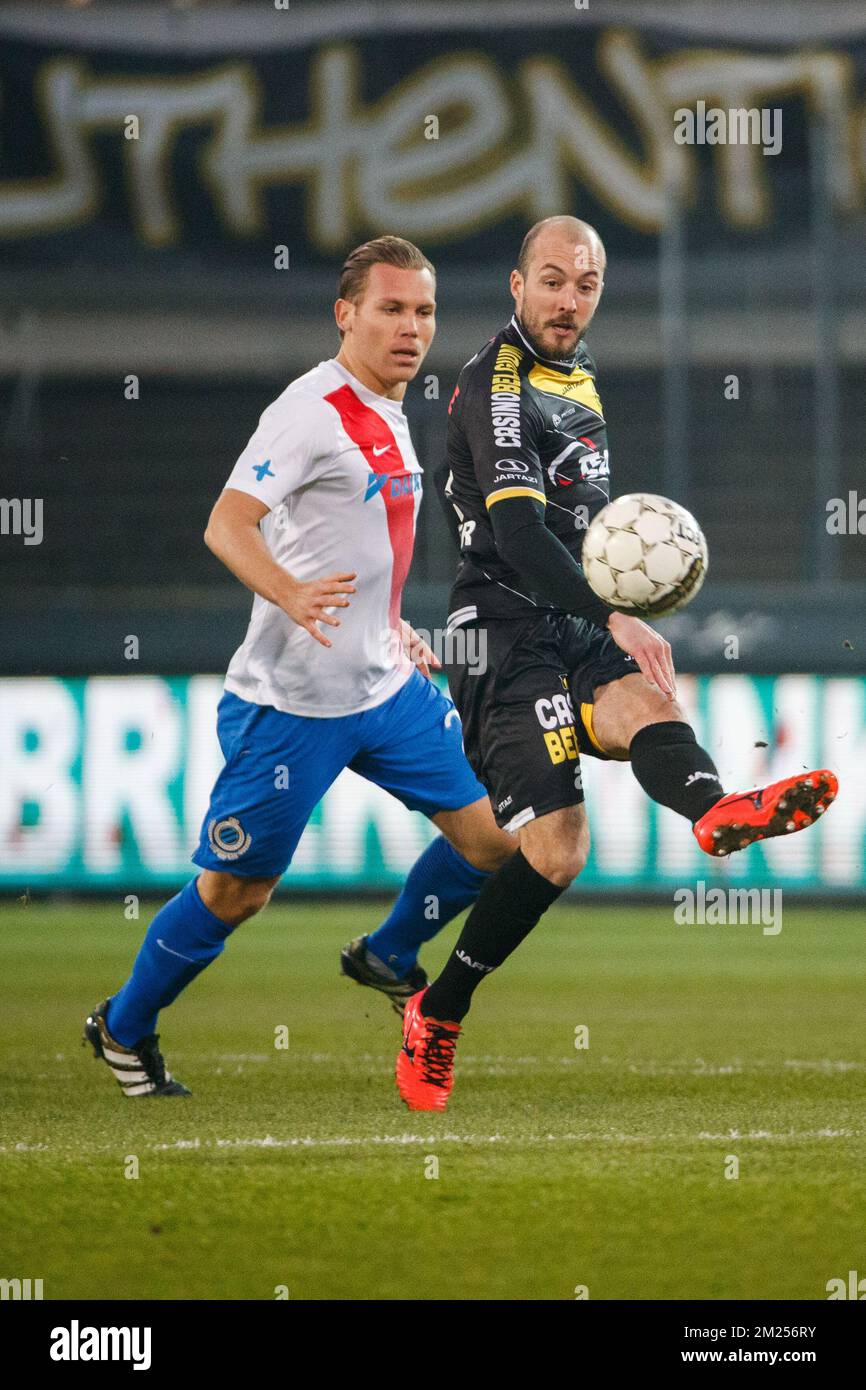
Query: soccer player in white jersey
[[318, 519]]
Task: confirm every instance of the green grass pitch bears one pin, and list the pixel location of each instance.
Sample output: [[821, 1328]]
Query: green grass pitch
[[558, 1167]]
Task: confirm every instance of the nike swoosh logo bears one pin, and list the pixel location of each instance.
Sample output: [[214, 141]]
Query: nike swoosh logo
[[384, 449], [160, 942]]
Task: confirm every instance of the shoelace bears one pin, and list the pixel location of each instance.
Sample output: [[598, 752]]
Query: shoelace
[[438, 1057], [152, 1059]]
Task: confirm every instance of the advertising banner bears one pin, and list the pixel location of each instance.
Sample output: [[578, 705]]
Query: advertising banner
[[104, 783]]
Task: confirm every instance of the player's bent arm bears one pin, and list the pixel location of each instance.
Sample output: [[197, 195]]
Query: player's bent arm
[[233, 535], [531, 549], [539, 557]]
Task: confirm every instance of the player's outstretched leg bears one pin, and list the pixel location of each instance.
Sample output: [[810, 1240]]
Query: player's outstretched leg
[[632, 719], [674, 770], [511, 903]]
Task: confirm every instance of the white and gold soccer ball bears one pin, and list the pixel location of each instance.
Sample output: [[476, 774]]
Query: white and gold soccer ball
[[644, 555]]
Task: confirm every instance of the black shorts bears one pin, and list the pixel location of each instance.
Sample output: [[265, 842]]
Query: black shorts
[[523, 688]]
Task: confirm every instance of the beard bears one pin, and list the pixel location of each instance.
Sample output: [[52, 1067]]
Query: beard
[[554, 353]]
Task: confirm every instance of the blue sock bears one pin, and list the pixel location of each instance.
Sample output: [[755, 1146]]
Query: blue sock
[[440, 884], [182, 939]]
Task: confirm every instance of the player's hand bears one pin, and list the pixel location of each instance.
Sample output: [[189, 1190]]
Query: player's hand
[[651, 652], [306, 602], [417, 650]]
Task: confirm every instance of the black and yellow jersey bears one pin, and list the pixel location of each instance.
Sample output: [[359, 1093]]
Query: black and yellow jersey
[[521, 426]]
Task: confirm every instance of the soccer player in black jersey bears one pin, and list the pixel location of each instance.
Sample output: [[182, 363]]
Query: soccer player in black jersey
[[564, 674]]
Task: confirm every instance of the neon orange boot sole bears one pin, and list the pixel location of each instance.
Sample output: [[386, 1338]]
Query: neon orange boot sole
[[764, 812]]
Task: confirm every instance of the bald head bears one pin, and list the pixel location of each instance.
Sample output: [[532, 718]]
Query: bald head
[[560, 229], [557, 284]]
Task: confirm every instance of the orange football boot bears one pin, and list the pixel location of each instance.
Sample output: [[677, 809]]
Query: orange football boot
[[743, 817], [425, 1062]]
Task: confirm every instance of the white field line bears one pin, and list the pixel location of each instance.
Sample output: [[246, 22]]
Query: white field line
[[694, 1066], [344, 1141], [530, 1139], [502, 1064]]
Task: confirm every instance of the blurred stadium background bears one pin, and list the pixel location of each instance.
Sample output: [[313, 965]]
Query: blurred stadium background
[[147, 317]]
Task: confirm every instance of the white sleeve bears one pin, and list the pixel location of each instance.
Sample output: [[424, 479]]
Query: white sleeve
[[289, 448]]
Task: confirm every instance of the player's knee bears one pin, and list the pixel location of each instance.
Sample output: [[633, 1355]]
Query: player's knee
[[662, 711], [256, 894], [561, 861], [653, 708], [567, 863], [232, 897]]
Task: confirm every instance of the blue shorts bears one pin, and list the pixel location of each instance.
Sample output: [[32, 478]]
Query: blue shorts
[[279, 766]]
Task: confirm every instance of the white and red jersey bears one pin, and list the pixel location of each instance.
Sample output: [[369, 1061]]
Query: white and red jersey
[[334, 463]]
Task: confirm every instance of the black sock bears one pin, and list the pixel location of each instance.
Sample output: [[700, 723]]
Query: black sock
[[508, 907], [674, 769]]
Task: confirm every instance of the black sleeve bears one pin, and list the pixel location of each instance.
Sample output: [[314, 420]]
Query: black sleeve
[[538, 556], [440, 478]]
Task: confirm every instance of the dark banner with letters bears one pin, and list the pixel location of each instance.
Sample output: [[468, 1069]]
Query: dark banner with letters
[[118, 146]]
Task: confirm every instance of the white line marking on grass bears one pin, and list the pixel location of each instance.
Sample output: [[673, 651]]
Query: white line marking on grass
[[784, 1134], [698, 1067], [345, 1141], [695, 1066], [825, 1065], [243, 1056], [309, 1141]]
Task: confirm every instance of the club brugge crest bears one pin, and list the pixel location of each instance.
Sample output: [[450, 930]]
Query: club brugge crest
[[227, 838]]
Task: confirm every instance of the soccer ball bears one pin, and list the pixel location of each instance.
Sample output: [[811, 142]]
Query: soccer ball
[[644, 555]]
